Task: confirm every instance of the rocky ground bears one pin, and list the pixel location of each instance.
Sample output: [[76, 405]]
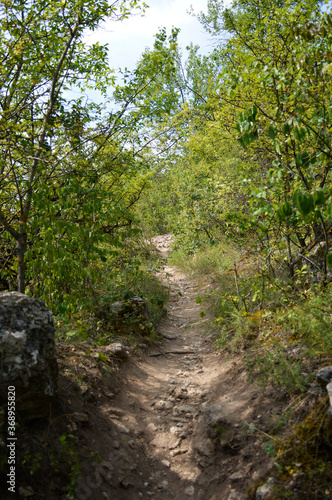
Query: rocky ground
[[182, 420], [175, 422]]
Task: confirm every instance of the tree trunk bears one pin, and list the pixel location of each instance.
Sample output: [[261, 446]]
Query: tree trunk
[[21, 247]]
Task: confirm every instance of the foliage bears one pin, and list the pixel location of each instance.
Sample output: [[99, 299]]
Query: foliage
[[309, 322], [304, 456], [290, 120], [65, 454], [62, 170], [126, 273], [266, 86]]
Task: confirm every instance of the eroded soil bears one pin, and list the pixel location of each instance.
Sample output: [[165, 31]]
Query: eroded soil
[[142, 429], [160, 444]]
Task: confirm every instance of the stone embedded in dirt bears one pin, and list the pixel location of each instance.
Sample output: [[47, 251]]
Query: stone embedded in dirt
[[25, 492], [163, 405], [329, 392], [80, 417], [205, 448], [215, 419], [115, 411], [121, 428], [324, 375], [190, 491], [179, 419], [236, 476], [204, 462], [125, 483], [163, 485], [184, 409], [152, 427], [234, 495], [181, 393], [117, 350], [175, 430], [213, 414], [264, 490], [201, 495], [324, 378], [174, 444], [28, 354], [182, 451]]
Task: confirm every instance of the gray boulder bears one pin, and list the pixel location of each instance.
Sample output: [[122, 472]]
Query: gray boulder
[[213, 415], [131, 316], [329, 392], [215, 419], [265, 490], [324, 375], [117, 350], [28, 360]]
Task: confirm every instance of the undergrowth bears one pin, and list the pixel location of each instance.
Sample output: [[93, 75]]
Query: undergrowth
[[282, 329], [125, 275], [303, 465]]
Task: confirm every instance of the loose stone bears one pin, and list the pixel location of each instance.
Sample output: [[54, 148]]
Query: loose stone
[[190, 491], [237, 476]]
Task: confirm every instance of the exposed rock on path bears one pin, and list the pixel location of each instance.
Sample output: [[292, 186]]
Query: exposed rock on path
[[180, 424], [28, 360]]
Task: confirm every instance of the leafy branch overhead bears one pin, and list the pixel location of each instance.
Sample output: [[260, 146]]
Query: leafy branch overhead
[[236, 142], [59, 156]]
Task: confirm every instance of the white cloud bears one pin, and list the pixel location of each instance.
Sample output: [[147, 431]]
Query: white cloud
[[162, 13], [128, 39]]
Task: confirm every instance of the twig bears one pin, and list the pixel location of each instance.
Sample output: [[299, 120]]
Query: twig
[[160, 353], [177, 351], [262, 432], [236, 277], [144, 409], [180, 351]]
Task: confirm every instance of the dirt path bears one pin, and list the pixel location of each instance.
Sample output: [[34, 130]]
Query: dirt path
[[181, 422]]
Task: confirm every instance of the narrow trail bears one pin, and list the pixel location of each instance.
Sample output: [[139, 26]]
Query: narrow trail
[[167, 407]]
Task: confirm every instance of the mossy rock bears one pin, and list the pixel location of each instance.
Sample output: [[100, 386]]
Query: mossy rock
[[131, 316]]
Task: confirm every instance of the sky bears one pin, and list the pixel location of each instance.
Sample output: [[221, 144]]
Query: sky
[[128, 39]]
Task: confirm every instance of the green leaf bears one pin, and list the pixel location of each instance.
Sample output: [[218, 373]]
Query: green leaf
[[329, 259], [285, 129], [304, 202], [319, 197], [285, 210], [272, 132], [277, 146]]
